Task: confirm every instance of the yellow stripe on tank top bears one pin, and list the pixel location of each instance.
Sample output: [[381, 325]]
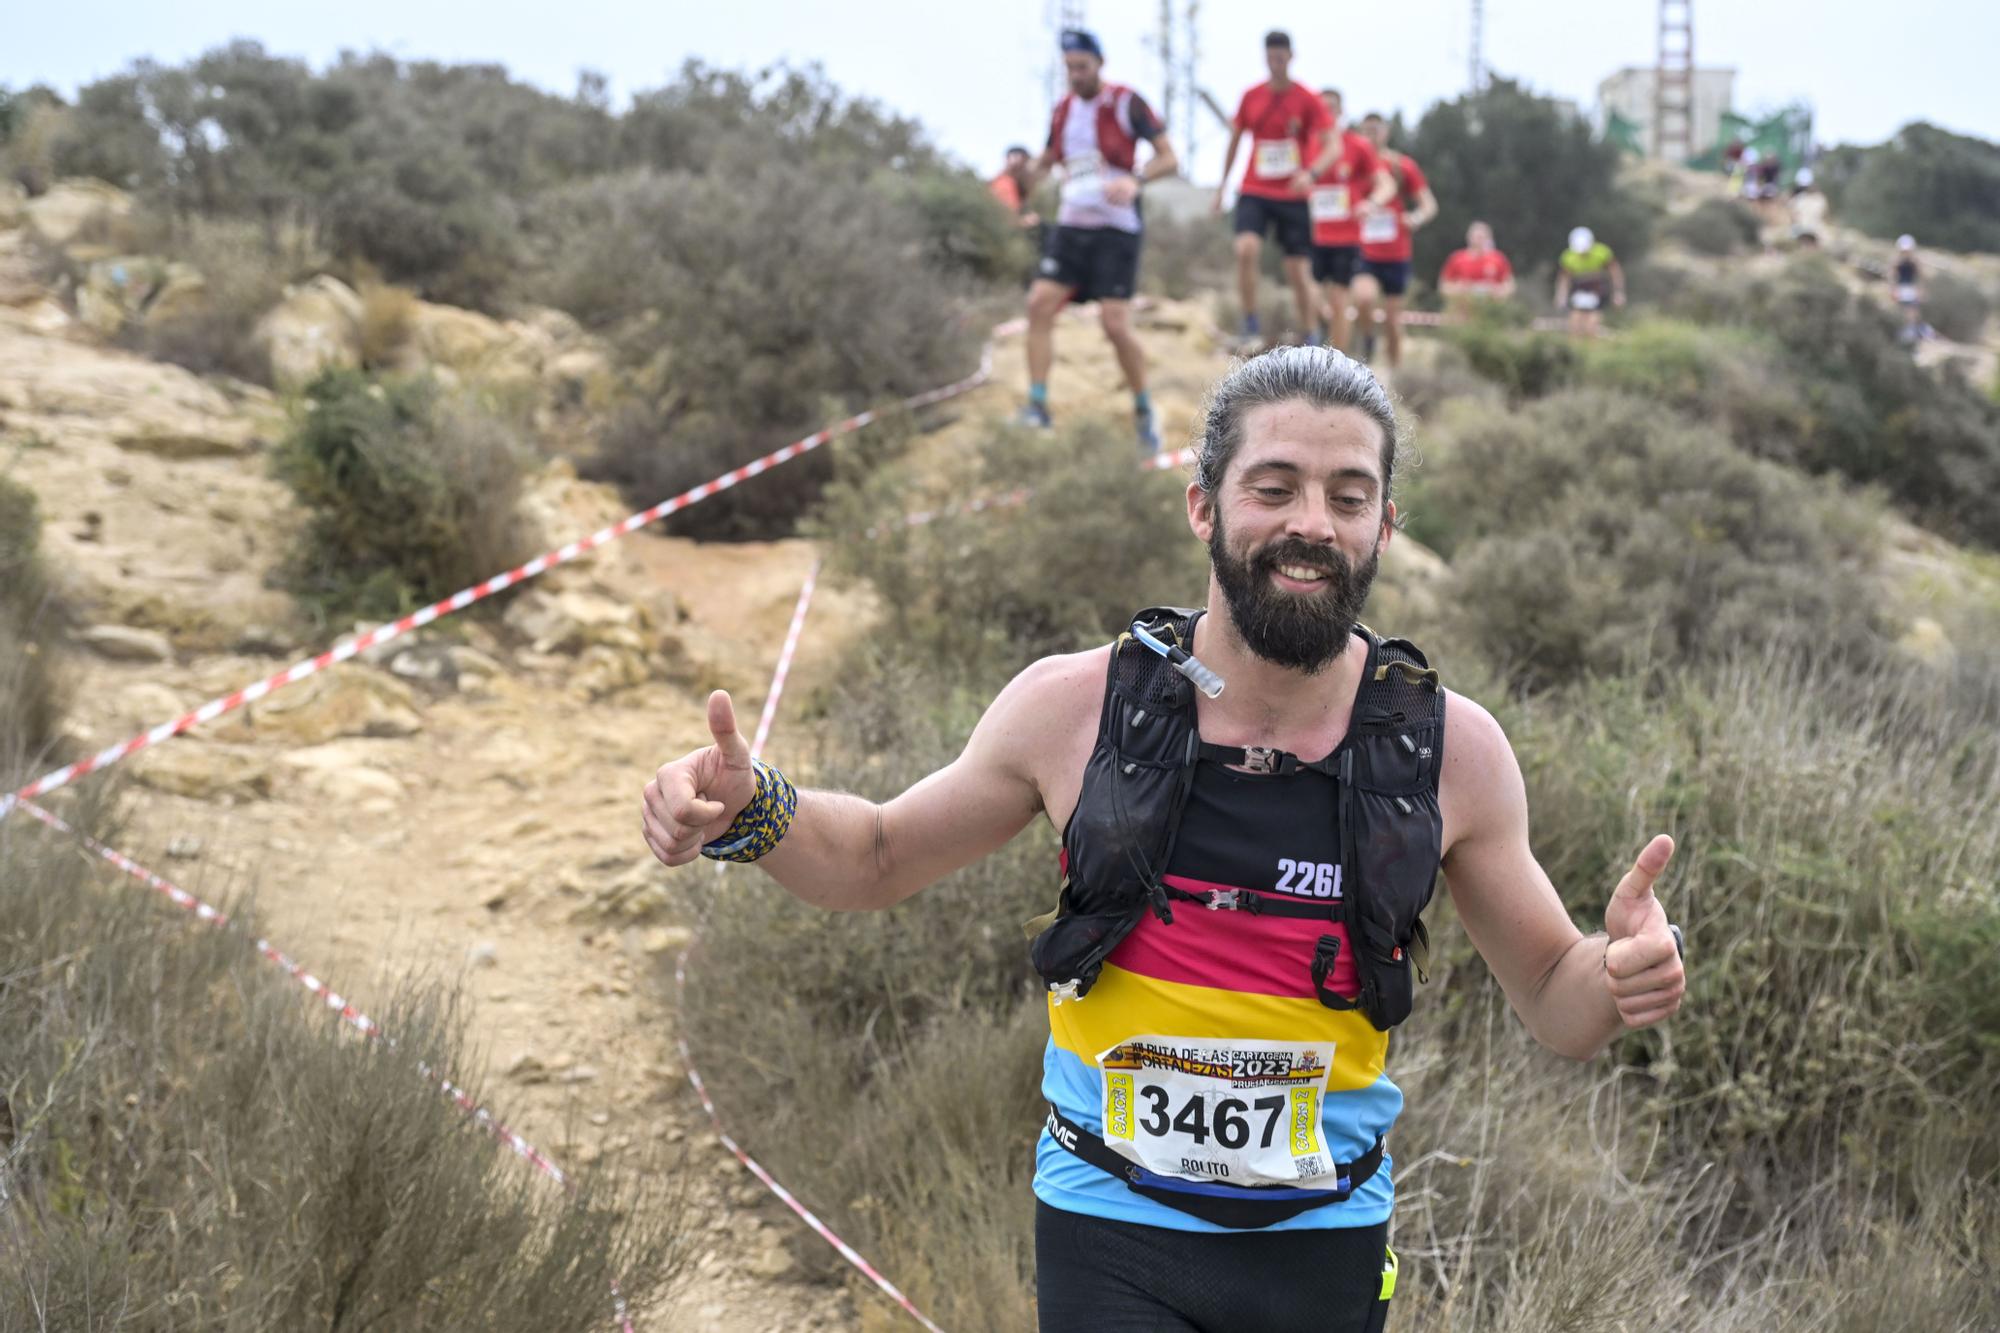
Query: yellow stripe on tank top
[[1124, 1004]]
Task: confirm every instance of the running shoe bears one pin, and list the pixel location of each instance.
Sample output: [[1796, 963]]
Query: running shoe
[[1149, 434], [1035, 416]]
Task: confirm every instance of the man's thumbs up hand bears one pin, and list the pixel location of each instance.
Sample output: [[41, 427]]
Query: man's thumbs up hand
[[1642, 963], [692, 800]]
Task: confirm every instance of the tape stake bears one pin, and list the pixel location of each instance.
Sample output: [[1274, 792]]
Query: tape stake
[[784, 669]]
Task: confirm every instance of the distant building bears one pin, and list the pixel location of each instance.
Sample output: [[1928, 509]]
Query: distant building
[[1626, 99]]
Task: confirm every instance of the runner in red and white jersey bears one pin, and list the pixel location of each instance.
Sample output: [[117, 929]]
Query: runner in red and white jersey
[[1345, 180], [1386, 239], [1092, 253], [1284, 121]]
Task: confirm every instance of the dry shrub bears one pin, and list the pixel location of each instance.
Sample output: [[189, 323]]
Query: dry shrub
[[387, 315], [1715, 227], [186, 1142], [1955, 307], [242, 276], [751, 304], [412, 494]]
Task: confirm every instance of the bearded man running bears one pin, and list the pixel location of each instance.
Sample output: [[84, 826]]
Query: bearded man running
[[1255, 798]]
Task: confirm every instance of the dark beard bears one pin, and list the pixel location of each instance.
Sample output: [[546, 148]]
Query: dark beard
[[1301, 631]]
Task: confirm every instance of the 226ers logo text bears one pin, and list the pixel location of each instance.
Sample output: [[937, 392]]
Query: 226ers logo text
[[1244, 1112]]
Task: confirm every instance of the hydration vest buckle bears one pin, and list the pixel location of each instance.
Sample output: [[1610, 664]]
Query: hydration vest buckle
[[1260, 759], [1221, 898], [1063, 990]]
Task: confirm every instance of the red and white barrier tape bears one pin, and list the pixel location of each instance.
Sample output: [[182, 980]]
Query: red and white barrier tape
[[352, 1016], [465, 597], [853, 1256]]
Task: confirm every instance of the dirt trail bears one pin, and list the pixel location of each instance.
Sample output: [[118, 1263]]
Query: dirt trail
[[483, 831]]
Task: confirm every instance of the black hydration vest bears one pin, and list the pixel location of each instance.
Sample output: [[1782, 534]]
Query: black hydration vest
[[1121, 837]]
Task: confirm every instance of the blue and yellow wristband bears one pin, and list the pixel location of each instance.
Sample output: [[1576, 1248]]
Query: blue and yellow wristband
[[762, 823]]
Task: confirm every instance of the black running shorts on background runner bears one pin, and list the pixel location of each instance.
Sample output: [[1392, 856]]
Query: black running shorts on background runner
[[1292, 218], [1392, 274], [1095, 263], [1336, 264], [1093, 1275]]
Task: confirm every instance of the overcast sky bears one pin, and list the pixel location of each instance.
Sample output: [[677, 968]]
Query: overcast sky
[[975, 74]]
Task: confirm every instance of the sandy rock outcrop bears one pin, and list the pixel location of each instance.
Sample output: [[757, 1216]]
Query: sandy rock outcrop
[[316, 327], [80, 213], [349, 700]]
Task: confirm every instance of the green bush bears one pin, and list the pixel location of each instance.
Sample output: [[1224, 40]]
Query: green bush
[[1955, 307], [965, 236], [751, 305], [1525, 364], [411, 495], [1715, 227], [31, 685], [1595, 533], [192, 1144], [1098, 542], [1943, 186]]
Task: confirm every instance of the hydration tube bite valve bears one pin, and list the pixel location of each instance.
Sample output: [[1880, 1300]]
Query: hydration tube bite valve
[[1181, 659]]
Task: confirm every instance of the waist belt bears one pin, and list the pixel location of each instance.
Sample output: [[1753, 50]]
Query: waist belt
[[1244, 1207]]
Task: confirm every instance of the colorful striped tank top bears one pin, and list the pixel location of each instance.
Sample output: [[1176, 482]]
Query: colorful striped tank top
[[1221, 989]]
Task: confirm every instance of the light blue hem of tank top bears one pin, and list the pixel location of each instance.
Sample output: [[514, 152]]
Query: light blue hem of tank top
[[1064, 1180]]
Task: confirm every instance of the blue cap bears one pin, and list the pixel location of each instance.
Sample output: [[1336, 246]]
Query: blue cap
[[1076, 39]]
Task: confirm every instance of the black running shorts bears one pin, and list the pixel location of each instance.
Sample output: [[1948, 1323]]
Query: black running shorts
[[1095, 263], [1098, 1276], [1291, 217], [1392, 274], [1336, 264]]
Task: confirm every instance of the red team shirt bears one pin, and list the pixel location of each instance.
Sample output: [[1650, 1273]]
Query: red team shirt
[[1341, 190], [1410, 185], [1283, 129], [1482, 268]]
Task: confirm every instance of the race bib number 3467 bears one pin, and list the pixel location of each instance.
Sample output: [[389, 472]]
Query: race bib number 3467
[[1238, 1112]]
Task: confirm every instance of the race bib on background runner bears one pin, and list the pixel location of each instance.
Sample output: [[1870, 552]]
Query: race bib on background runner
[[1583, 300], [1083, 180], [1237, 1112], [1379, 227], [1276, 159], [1330, 204]]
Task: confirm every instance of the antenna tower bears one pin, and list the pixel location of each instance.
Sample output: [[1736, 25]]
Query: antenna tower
[[1060, 15], [1673, 83], [1478, 44]]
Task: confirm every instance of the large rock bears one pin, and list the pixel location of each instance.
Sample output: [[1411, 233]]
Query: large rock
[[470, 347], [341, 776], [122, 643], [570, 622], [13, 204], [347, 700], [203, 772], [316, 327], [80, 211]]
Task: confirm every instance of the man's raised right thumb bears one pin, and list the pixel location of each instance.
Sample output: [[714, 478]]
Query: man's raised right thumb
[[722, 726]]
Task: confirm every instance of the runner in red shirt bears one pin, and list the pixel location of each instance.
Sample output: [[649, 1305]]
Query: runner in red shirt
[[1283, 120], [1479, 272], [1385, 239], [1344, 179]]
